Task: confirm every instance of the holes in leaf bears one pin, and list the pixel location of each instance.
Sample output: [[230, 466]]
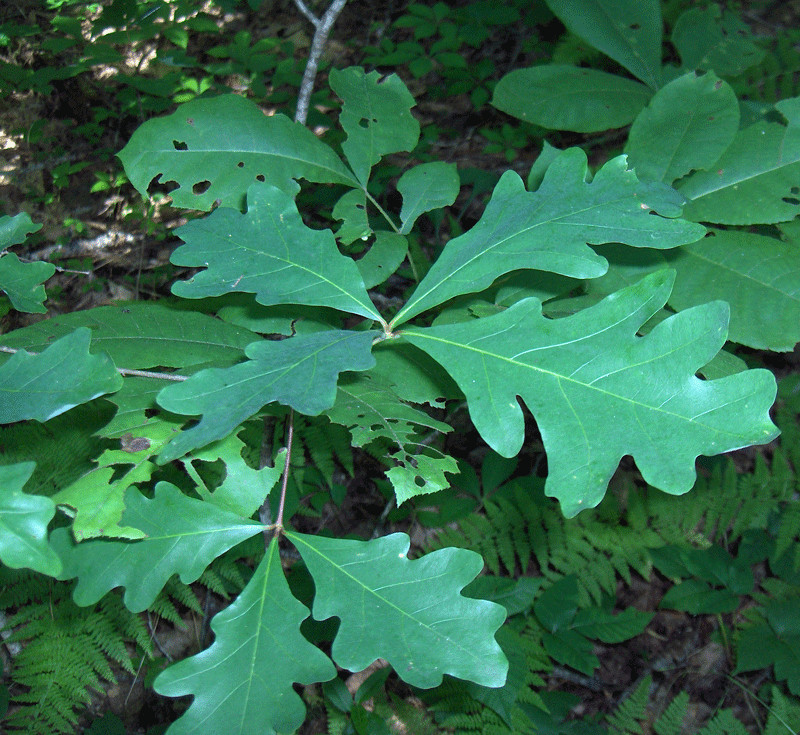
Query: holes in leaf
[[419, 481], [180, 145], [365, 122], [791, 200], [634, 26], [240, 164], [795, 190], [201, 187], [261, 178]]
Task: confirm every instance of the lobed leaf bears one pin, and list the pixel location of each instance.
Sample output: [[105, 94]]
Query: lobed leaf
[[182, 536], [687, 125], [186, 147], [407, 612], [60, 378], [269, 252], [425, 187], [23, 523], [755, 180], [300, 372], [599, 392], [22, 282], [242, 684], [376, 115], [550, 229]]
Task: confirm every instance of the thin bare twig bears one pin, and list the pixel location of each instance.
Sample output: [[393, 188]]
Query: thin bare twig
[[323, 27]]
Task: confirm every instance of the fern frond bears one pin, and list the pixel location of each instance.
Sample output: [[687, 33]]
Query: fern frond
[[626, 719], [671, 720], [784, 714], [724, 723]]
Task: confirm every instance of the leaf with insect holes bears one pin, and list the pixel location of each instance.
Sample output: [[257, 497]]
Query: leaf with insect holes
[[598, 392], [551, 229], [63, 376], [190, 148], [181, 536], [242, 684], [269, 252], [300, 372], [23, 523], [407, 612], [376, 115]]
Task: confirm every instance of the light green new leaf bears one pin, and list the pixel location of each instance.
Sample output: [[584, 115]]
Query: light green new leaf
[[383, 258], [376, 115], [687, 125], [97, 497], [407, 612], [187, 147], [629, 31], [143, 334], [549, 229], [23, 523], [300, 372], [63, 376], [242, 684], [758, 276], [598, 392], [561, 97], [369, 406], [182, 535], [425, 187], [269, 252], [712, 39], [754, 181], [14, 230], [22, 283]]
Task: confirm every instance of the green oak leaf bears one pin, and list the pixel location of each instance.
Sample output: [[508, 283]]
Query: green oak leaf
[[758, 276], [598, 392], [14, 230], [376, 115], [96, 499], [351, 210], [755, 179], [63, 376], [23, 523], [143, 334], [425, 187], [242, 684], [300, 372], [383, 258], [407, 612], [187, 147], [561, 97], [269, 252], [551, 228], [182, 535], [687, 126], [22, 283], [369, 406], [628, 32]]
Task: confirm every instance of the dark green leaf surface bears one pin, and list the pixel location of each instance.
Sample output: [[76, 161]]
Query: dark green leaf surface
[[383, 258], [63, 376], [629, 31], [687, 126], [300, 372], [376, 115], [407, 612], [549, 229], [22, 283], [755, 180], [143, 334], [269, 252], [187, 147], [14, 230], [425, 187], [758, 276], [599, 392], [562, 97], [23, 523], [242, 684], [183, 536]]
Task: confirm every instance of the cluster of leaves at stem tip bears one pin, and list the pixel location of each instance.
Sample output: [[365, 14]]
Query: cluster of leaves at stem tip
[[494, 321]]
